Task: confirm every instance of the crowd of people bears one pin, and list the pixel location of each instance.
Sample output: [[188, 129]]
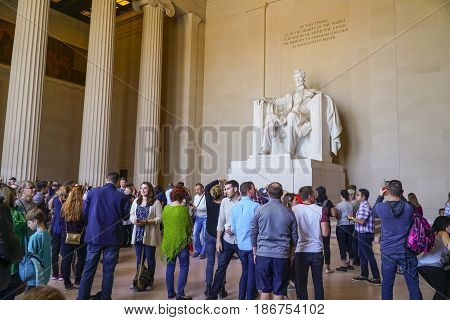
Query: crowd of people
[[278, 237]]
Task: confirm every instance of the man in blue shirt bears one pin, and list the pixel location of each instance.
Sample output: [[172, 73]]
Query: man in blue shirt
[[241, 220], [396, 216], [105, 209]]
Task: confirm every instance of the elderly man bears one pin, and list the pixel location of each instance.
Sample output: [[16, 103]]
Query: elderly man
[[290, 111], [27, 191]]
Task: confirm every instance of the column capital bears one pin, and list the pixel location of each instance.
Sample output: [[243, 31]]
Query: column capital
[[165, 5]]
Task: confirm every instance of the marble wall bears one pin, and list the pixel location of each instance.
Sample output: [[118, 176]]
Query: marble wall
[[182, 93], [385, 62]]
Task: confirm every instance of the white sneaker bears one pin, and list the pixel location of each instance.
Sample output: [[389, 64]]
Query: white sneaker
[[291, 286]]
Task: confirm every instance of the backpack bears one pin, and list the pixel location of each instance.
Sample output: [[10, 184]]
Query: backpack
[[27, 268], [420, 236], [27, 271]]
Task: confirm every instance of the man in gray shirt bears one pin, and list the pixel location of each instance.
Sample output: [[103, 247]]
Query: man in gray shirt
[[274, 237]]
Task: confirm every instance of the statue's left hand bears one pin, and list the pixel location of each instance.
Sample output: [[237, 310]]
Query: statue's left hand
[[305, 129]]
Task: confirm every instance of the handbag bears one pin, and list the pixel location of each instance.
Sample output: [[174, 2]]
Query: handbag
[[27, 270], [143, 277], [72, 238]]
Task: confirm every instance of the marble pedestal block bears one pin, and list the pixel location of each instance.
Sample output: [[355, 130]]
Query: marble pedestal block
[[291, 173]]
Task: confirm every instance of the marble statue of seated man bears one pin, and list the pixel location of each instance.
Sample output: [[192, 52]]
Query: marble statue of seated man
[[290, 112]]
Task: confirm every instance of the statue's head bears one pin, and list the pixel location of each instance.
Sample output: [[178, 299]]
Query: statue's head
[[299, 77]]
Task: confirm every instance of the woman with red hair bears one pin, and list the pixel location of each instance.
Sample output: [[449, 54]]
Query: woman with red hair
[[177, 237]]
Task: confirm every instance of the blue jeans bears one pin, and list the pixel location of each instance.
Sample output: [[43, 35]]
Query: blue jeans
[[408, 263], [304, 260], [211, 257], [199, 235], [367, 256], [149, 254], [247, 284], [110, 258], [183, 258], [223, 262]]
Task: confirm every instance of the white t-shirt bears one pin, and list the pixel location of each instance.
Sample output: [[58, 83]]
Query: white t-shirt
[[345, 209], [200, 203], [309, 217]]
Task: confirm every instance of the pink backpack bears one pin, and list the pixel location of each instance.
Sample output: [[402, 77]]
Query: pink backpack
[[420, 237]]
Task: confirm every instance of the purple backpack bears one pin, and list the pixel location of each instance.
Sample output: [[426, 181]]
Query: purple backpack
[[420, 237]]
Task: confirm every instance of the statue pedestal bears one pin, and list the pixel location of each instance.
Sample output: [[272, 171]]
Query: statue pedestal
[[291, 173]]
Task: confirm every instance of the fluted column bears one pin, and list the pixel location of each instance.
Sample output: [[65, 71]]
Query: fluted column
[[26, 81], [98, 93], [146, 166]]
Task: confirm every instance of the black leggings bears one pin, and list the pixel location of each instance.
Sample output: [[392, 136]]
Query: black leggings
[[438, 278], [56, 248], [326, 249]]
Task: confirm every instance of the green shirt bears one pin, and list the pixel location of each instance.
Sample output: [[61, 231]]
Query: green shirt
[[177, 231]]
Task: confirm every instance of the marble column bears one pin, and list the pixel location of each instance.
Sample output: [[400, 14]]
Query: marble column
[[23, 115], [147, 152], [98, 94]]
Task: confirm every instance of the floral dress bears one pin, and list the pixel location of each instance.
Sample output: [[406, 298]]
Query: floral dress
[[141, 214]]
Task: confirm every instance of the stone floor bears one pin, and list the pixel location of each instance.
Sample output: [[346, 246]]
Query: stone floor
[[338, 285]]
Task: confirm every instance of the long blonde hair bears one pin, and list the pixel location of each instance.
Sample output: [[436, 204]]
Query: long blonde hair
[[72, 207], [63, 192]]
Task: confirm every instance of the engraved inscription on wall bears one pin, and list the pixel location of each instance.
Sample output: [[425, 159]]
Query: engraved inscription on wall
[[315, 32]]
